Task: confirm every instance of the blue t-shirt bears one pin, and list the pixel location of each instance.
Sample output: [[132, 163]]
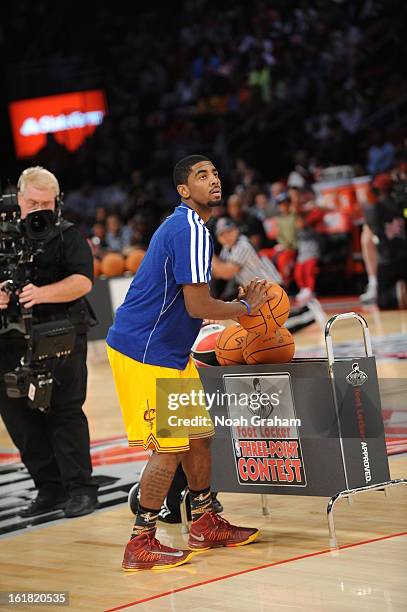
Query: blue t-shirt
[[153, 325]]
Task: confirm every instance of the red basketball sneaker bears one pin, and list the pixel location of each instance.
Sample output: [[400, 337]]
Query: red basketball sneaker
[[212, 530], [146, 552]]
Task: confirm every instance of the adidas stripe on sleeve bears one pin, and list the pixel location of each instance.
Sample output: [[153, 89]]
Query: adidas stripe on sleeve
[[192, 252]]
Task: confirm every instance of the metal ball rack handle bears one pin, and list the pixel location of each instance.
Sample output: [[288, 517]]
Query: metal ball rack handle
[[342, 317]]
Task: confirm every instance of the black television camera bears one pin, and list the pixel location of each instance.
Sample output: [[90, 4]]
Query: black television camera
[[20, 241]]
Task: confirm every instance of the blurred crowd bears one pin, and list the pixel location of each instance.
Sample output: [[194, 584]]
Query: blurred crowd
[[273, 92], [282, 220]]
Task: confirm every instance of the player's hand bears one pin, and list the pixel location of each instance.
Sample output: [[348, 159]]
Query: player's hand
[[30, 296], [243, 289], [4, 297], [210, 322], [255, 293]]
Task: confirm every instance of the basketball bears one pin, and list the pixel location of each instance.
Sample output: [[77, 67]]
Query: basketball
[[96, 267], [273, 314], [203, 349], [134, 259], [229, 345], [278, 347], [112, 264]]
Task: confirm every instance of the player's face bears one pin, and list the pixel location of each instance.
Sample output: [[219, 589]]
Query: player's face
[[35, 199], [204, 184]]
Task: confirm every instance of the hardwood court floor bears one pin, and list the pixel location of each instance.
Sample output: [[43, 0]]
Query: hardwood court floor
[[289, 568]]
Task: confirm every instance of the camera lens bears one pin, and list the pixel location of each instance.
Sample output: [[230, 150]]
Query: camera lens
[[39, 224]]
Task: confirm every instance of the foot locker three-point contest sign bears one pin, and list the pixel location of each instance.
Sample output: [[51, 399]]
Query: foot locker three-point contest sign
[[266, 444], [308, 427]]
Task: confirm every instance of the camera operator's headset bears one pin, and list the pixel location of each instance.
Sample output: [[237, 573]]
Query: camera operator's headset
[[59, 203]]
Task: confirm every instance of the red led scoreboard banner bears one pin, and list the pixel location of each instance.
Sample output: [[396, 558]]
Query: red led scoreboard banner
[[264, 453], [70, 117]]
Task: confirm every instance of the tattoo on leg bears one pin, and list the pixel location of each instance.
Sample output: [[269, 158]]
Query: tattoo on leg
[[156, 480], [197, 464]]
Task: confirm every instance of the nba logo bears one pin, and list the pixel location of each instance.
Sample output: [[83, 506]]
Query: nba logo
[[237, 448]]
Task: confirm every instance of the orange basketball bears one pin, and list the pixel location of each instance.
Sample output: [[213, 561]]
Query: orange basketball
[[229, 345], [96, 267], [273, 314], [112, 264], [277, 347], [134, 259]]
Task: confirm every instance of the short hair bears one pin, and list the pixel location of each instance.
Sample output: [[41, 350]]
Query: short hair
[[182, 169], [39, 177]]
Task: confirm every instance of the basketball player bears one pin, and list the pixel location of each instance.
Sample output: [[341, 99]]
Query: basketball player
[[151, 338]]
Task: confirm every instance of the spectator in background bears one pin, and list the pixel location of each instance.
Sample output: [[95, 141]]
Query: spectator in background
[[260, 79], [277, 188], [141, 232], [262, 208], [238, 262], [388, 223], [101, 214], [98, 239], [305, 270], [284, 252], [136, 197], [369, 254], [248, 224], [300, 177], [217, 212], [217, 284], [351, 115], [83, 201], [381, 154], [295, 198], [118, 236]]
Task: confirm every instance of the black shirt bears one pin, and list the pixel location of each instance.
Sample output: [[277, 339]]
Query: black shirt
[[250, 225], [66, 252], [387, 220]]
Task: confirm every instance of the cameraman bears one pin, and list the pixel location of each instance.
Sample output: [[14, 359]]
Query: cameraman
[[54, 445]]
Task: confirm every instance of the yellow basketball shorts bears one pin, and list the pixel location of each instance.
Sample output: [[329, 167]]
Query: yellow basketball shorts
[[160, 406]]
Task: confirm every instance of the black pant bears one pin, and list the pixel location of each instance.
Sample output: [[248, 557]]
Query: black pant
[[388, 274], [178, 484], [54, 446]]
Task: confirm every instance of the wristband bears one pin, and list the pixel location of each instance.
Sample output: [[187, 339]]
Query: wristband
[[249, 308]]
